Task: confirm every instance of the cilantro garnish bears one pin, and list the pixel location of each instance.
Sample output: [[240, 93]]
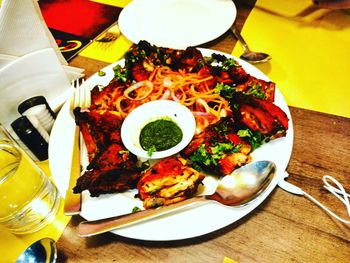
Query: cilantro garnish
[[255, 138], [221, 61], [101, 73], [229, 63], [228, 92], [224, 89], [136, 209], [211, 155], [256, 91], [151, 150], [120, 73]]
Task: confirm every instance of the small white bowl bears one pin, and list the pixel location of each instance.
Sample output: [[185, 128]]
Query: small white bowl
[[151, 111]]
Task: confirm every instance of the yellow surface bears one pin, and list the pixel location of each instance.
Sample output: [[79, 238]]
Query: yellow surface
[[11, 246], [229, 260], [310, 51], [119, 3], [109, 51]]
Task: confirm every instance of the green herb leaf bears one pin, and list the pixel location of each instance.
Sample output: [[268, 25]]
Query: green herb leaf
[[120, 73], [244, 133], [136, 209], [255, 138], [256, 91], [151, 150], [229, 63], [101, 73], [214, 153], [221, 61], [226, 91]]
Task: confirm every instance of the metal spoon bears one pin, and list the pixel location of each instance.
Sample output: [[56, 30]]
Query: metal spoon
[[237, 189], [248, 55], [43, 250]]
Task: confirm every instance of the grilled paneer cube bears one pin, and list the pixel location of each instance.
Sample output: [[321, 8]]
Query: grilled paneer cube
[[168, 181]]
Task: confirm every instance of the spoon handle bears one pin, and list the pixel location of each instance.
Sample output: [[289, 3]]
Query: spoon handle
[[239, 37], [90, 228]]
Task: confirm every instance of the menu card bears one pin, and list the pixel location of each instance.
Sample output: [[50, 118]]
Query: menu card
[[76, 23]]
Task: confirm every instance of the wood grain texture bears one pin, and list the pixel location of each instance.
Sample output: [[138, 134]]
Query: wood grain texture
[[284, 228]]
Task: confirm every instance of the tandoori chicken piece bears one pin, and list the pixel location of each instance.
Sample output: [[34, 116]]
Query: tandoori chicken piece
[[143, 58], [218, 149], [106, 98], [231, 76], [104, 182], [112, 168], [99, 129], [263, 116]]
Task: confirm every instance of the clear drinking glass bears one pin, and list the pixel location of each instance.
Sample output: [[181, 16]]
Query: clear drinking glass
[[28, 199]]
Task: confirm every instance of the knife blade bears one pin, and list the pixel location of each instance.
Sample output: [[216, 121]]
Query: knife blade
[[72, 205]]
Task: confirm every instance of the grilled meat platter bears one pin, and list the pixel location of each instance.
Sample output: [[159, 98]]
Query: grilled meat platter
[[234, 112]]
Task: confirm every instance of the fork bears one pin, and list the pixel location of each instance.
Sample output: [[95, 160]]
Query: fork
[[80, 98], [110, 35]]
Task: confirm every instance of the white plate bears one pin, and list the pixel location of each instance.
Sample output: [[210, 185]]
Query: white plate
[[186, 224], [176, 23]]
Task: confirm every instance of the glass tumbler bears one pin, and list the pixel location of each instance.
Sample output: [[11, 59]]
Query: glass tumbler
[[28, 199]]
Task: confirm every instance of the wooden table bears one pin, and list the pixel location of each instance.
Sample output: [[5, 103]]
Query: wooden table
[[284, 228]]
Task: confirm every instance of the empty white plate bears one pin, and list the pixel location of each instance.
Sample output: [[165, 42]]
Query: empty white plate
[[176, 23]]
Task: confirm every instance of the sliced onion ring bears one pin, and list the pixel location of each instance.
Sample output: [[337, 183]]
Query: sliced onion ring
[[137, 85]]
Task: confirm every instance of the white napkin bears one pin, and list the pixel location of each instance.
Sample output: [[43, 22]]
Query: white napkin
[[28, 76], [30, 61]]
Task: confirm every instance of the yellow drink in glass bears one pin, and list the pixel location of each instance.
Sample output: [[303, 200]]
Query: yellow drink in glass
[[28, 199]]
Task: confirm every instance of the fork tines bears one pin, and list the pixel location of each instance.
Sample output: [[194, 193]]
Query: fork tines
[[81, 96]]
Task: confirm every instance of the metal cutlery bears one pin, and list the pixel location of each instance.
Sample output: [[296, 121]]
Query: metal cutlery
[[111, 34], [233, 190], [249, 55], [80, 98]]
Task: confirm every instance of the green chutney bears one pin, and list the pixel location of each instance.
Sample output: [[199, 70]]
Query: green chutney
[[160, 135]]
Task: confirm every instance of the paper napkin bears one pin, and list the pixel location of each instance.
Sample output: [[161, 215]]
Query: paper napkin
[[23, 30], [30, 61], [31, 75], [309, 49]]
